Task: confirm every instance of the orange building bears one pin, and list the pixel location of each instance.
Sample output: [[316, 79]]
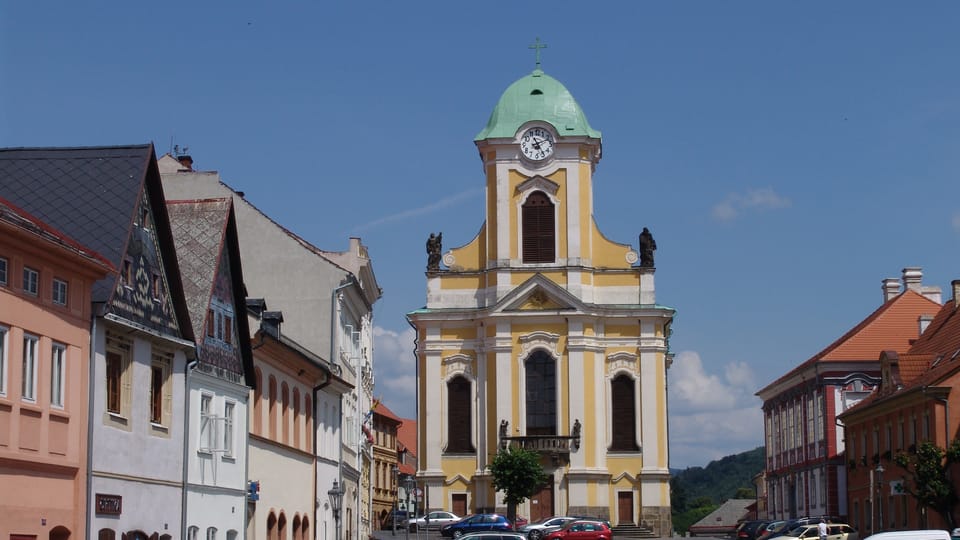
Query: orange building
[[45, 284], [913, 403]]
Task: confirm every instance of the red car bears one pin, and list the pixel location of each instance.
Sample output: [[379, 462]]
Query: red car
[[582, 529]]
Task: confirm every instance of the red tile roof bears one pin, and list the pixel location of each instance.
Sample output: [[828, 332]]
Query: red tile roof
[[382, 410], [407, 435], [892, 326]]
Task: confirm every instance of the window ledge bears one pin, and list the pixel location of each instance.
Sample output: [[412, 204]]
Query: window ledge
[[159, 427], [228, 459], [31, 405]]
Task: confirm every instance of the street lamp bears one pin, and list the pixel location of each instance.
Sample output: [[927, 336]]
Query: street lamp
[[879, 470], [336, 500], [396, 498], [409, 484]]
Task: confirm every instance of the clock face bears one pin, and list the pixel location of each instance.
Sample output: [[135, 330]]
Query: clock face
[[537, 143]]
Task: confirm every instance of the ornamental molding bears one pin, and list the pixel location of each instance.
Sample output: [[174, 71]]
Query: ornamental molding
[[622, 361], [539, 340], [458, 364], [539, 183]]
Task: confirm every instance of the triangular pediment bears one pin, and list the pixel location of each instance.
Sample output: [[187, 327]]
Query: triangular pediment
[[538, 183], [539, 294]]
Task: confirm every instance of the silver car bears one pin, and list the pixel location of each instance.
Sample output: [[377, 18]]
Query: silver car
[[493, 535], [433, 520], [539, 529]]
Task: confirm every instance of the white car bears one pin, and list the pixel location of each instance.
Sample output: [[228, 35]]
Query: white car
[[539, 529], [433, 520]]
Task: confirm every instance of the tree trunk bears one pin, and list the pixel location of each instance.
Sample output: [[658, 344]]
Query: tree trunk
[[512, 515]]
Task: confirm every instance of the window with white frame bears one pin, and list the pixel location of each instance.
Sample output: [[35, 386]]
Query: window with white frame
[[211, 533], [59, 292], [58, 371], [220, 322], [3, 271], [161, 389], [31, 280], [28, 389], [228, 410], [206, 422], [4, 332], [192, 532]]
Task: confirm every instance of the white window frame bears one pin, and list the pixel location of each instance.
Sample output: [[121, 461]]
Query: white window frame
[[58, 375], [205, 434], [31, 281], [211, 533], [4, 271], [59, 292], [28, 386], [4, 347], [192, 532], [229, 412]]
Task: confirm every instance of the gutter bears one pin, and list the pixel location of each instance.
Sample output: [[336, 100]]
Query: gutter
[[316, 453], [186, 444], [91, 399]]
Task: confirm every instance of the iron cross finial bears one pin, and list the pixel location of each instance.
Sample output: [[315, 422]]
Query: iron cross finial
[[537, 46]]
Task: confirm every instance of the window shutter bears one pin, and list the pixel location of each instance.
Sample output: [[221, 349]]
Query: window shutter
[[211, 323], [539, 236], [458, 415], [624, 419]]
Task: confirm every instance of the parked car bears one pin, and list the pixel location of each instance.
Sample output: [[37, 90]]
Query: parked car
[[520, 521], [395, 517], [582, 529], [536, 530], [432, 520], [494, 535], [835, 531], [749, 530], [930, 534], [474, 523], [771, 529]]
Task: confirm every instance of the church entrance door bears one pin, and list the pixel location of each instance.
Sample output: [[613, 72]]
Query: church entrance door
[[541, 503], [625, 507]]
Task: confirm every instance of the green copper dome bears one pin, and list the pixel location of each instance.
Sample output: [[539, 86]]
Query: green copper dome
[[537, 96]]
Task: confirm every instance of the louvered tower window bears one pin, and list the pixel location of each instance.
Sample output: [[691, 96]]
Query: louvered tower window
[[458, 416], [539, 236], [541, 382], [623, 414]]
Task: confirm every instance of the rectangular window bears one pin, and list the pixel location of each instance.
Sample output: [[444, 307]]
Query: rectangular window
[[126, 273], [228, 407], [31, 280], [114, 381], [3, 271], [59, 292], [156, 393], [206, 422], [156, 287], [900, 435], [211, 323], [29, 387], [3, 360], [58, 370]]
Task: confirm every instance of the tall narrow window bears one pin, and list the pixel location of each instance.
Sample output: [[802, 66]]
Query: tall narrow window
[[3, 360], [624, 414], [29, 387], [228, 407], [58, 369], [211, 533], [541, 399], [114, 374], [156, 393], [539, 237], [459, 415], [31, 280], [3, 271], [192, 532], [206, 422], [59, 292]]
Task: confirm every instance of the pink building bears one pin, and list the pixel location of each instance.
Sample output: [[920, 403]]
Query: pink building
[[45, 287]]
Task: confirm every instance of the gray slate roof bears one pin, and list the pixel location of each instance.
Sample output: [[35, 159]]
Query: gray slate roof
[[91, 194]]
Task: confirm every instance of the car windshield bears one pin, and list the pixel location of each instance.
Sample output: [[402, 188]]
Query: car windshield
[[797, 531]]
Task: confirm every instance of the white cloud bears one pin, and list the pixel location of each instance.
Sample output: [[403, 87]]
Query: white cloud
[[760, 199], [395, 370], [712, 415], [422, 210]]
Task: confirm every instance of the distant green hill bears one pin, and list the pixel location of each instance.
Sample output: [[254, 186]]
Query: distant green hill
[[697, 491]]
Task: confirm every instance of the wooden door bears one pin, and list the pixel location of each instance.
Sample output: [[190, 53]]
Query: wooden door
[[541, 503], [459, 504], [625, 507]]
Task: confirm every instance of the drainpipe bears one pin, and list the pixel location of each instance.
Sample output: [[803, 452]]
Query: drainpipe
[[186, 445], [333, 358], [316, 453], [91, 399]]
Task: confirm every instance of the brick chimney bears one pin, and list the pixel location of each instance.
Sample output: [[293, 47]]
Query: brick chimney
[[891, 288], [956, 292], [186, 161]]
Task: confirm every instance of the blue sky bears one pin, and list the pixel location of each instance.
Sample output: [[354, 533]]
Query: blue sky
[[787, 156]]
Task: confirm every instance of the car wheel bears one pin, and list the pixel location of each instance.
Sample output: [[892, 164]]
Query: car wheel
[[457, 533], [413, 528], [535, 534]]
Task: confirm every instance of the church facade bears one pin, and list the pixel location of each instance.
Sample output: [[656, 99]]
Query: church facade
[[543, 333]]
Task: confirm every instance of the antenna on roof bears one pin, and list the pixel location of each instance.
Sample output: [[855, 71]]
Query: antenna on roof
[[178, 151]]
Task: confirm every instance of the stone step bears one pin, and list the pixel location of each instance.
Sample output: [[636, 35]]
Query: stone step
[[632, 531]]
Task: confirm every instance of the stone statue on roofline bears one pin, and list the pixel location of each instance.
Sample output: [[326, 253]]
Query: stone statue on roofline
[[434, 250], [647, 246]]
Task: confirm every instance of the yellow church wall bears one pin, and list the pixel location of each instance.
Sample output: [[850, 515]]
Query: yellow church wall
[[492, 218], [661, 406], [607, 253], [619, 279], [591, 400], [454, 282], [558, 276], [622, 330], [586, 188], [468, 331], [469, 256], [563, 243]]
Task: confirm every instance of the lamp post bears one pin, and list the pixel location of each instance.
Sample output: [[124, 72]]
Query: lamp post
[[879, 470], [336, 500], [409, 484], [396, 498]]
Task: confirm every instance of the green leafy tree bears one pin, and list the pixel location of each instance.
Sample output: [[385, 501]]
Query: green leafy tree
[[518, 474], [678, 496], [744, 493], [928, 478]]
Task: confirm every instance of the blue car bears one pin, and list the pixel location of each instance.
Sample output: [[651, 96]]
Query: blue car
[[476, 522]]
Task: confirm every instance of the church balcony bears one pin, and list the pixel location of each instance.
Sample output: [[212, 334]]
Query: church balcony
[[556, 447]]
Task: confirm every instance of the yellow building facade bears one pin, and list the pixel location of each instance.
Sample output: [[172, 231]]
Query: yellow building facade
[[543, 333]]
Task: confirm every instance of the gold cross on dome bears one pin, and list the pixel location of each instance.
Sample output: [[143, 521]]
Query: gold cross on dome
[[537, 46]]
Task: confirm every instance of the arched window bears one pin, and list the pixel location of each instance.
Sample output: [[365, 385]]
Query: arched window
[[59, 533], [296, 527], [272, 410], [257, 405], [623, 414], [541, 387], [211, 533], [285, 412], [459, 415], [539, 236], [271, 526], [305, 528], [106, 534], [192, 532], [296, 417], [308, 429], [232, 534], [282, 527]]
